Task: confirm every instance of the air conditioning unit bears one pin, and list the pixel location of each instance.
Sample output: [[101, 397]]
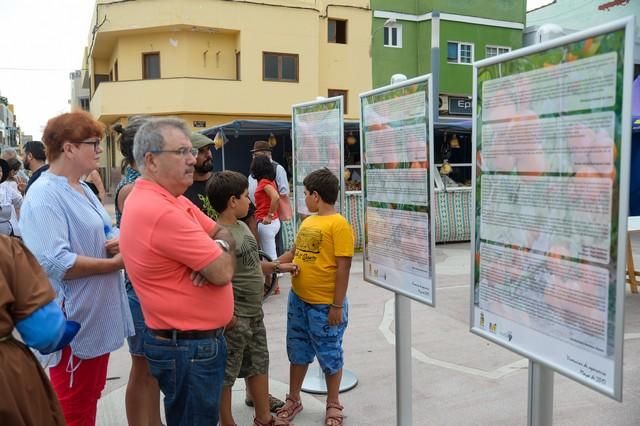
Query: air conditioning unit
[[443, 103]]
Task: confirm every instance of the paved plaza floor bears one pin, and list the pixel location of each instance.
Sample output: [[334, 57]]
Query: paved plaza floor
[[458, 377]]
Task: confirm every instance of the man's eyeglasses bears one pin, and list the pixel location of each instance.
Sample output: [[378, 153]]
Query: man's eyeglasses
[[181, 151], [91, 141]]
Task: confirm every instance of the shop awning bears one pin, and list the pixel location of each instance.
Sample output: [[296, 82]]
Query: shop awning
[[239, 128]]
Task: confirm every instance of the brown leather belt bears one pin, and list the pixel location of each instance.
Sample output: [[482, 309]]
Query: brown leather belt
[[189, 334]]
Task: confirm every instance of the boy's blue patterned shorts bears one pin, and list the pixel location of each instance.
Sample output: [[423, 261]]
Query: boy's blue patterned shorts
[[309, 334]]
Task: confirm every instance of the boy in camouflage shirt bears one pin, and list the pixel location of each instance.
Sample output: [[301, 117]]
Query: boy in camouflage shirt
[[247, 351]]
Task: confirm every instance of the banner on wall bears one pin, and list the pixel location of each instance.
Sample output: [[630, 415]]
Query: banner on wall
[[317, 134], [552, 140], [397, 152]]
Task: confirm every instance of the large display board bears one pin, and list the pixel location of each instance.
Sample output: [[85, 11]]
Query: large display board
[[551, 133], [397, 151], [318, 138]]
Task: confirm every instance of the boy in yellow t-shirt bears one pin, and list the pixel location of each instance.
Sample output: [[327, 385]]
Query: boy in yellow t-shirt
[[317, 310]]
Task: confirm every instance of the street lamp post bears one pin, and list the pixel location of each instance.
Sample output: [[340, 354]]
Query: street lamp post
[[388, 22]]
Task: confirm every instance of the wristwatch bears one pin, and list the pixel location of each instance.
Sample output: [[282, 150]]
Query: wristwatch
[[223, 245]]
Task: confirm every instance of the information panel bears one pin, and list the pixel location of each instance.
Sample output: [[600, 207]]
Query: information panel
[[397, 134], [551, 132], [317, 134]]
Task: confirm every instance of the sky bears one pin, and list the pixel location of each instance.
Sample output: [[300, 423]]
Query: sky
[[42, 42]]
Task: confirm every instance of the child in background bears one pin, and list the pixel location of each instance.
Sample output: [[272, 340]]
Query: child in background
[[247, 351], [317, 313]]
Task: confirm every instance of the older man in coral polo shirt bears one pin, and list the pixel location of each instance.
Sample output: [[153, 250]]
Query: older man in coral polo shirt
[[179, 263]]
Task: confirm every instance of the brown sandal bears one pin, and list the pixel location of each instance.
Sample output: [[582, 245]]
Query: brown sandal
[[336, 419], [290, 409]]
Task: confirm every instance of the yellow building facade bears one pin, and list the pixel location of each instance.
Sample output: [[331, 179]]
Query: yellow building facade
[[214, 61]]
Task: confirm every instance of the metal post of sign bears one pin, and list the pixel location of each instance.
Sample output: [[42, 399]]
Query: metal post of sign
[[435, 61], [540, 407], [404, 399], [314, 381]]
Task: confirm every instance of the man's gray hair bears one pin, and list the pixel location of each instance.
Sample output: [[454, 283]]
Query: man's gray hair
[[9, 152], [150, 136]]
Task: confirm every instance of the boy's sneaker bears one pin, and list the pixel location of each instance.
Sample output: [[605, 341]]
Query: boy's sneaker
[[274, 403]]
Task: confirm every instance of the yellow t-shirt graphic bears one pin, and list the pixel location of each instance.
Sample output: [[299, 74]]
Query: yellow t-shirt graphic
[[308, 241], [319, 241]]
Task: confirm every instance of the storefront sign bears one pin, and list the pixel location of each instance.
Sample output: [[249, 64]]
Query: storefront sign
[[460, 105]]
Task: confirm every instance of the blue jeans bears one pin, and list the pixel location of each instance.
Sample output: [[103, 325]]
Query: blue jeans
[[136, 342], [190, 374]]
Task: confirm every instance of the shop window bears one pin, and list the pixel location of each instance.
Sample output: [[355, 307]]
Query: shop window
[[496, 50], [459, 53], [337, 31], [150, 65], [353, 178], [353, 167], [337, 92], [280, 67], [453, 159], [393, 35]]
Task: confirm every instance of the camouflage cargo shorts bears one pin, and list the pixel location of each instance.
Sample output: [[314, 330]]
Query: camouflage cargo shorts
[[247, 350]]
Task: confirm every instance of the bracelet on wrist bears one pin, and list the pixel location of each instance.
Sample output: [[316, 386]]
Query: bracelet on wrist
[[276, 267], [333, 305]]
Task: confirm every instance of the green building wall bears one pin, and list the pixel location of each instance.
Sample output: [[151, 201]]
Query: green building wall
[[414, 58], [387, 61], [503, 10], [424, 53], [458, 78], [399, 6]]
